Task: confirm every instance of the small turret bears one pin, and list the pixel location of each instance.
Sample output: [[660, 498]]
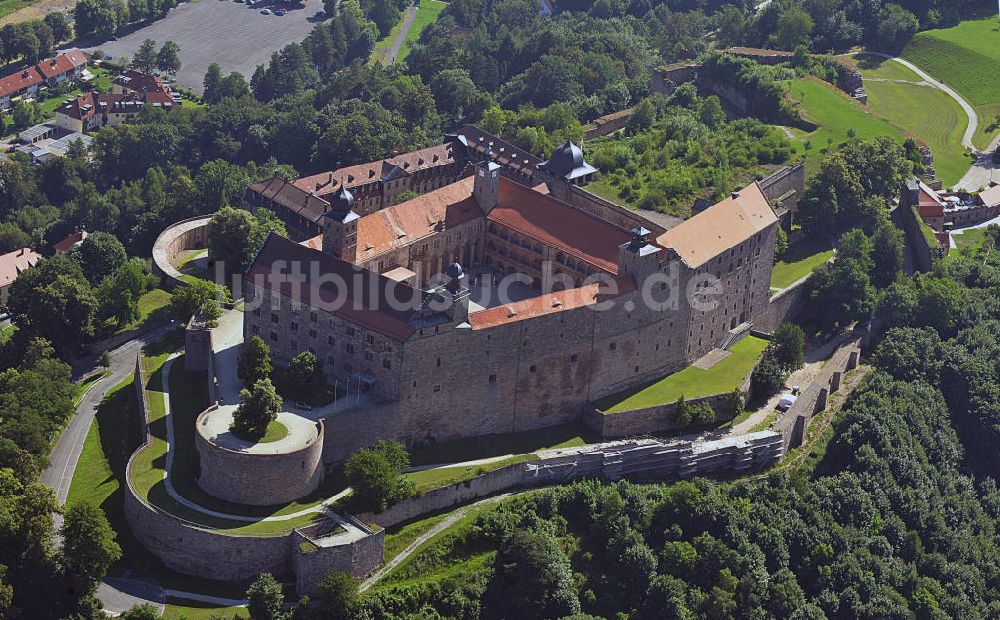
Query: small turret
[[486, 186], [340, 226]]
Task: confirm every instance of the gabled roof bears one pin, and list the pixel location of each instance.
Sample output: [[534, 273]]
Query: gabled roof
[[550, 303], [138, 81], [62, 63], [13, 263], [500, 151], [292, 197], [720, 227], [431, 157], [18, 81], [324, 183], [927, 197], [70, 241], [407, 222], [558, 225], [376, 303], [991, 196]]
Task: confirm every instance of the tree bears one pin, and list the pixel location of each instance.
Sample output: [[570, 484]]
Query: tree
[[887, 254], [61, 29], [305, 375], [100, 255], [259, 406], [643, 116], [195, 296], [788, 343], [896, 26], [780, 243], [375, 474], [12, 237], [89, 548], [168, 58], [100, 17], [339, 593], [841, 293], [142, 611], [211, 83], [255, 361], [54, 300], [532, 578], [910, 354], [119, 293], [767, 379], [794, 26], [265, 599], [236, 235], [855, 244], [144, 58]]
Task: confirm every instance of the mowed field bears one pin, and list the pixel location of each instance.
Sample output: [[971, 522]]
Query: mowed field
[[837, 115], [967, 58]]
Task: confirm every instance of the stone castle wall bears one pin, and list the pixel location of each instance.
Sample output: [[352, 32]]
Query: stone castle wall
[[784, 306], [189, 234], [258, 479], [313, 558], [591, 203], [785, 185]]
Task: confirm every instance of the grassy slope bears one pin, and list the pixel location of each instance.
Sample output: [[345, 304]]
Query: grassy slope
[[799, 260], [691, 382], [967, 58], [428, 479], [927, 114], [879, 67], [427, 14], [561, 436], [400, 537], [9, 6], [836, 114], [178, 609]]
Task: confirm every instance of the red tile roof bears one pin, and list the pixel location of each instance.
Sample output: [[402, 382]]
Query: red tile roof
[[559, 225], [415, 219], [17, 81], [550, 303], [292, 197], [138, 81], [377, 303], [90, 104], [62, 63], [70, 241], [13, 263]]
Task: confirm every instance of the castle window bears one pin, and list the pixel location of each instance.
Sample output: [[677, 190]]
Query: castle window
[[329, 360], [439, 362], [330, 341], [349, 347], [613, 346], [312, 317], [312, 333], [437, 388], [295, 346], [492, 379], [532, 369], [574, 357], [637, 369], [295, 326], [274, 336], [274, 317], [368, 356]]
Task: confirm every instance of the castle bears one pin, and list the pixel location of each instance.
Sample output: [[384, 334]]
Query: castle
[[414, 302]]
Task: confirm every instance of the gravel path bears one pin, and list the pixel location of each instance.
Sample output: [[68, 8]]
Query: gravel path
[[397, 43]]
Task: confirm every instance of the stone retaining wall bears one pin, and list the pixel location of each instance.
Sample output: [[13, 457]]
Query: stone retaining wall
[[784, 306], [258, 479], [314, 557], [189, 234], [793, 423]]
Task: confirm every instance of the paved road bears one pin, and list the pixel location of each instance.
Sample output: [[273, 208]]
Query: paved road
[[65, 454], [397, 43], [984, 170]]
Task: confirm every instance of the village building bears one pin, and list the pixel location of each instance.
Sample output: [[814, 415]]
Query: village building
[[70, 241], [132, 92], [12, 265], [27, 82]]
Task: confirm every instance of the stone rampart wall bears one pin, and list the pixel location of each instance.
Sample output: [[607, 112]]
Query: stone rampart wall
[[920, 249], [313, 561], [258, 479], [189, 234], [785, 184], [607, 210], [793, 423], [784, 306], [608, 124]]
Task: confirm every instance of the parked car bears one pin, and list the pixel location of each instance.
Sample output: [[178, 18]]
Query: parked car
[[280, 12], [787, 400], [265, 11], [303, 406]]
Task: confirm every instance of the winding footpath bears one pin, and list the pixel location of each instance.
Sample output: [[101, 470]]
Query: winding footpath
[[397, 43], [984, 170]]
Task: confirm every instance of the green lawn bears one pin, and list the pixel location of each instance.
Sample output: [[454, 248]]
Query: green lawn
[[561, 436], [427, 14], [691, 382], [969, 238], [153, 306], [9, 6], [101, 82], [930, 115], [837, 115], [886, 68], [433, 478], [6, 333], [967, 58], [275, 431], [799, 259], [184, 609]]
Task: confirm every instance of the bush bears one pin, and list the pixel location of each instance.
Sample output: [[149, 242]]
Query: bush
[[375, 475], [768, 377], [788, 343]]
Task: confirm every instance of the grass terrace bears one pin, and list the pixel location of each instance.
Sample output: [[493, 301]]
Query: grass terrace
[[798, 261], [429, 479], [967, 58], [837, 116], [400, 537], [691, 382], [968, 238], [427, 13], [184, 609], [561, 436], [883, 68]]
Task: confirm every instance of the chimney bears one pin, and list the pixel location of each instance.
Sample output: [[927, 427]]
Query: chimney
[[734, 195], [486, 187]]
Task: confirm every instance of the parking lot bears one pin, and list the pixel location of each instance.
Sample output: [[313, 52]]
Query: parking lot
[[229, 33]]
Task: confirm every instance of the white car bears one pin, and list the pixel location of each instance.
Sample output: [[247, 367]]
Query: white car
[[265, 11], [787, 400]]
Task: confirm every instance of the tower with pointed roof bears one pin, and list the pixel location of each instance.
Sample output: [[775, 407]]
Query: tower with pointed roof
[[340, 226]]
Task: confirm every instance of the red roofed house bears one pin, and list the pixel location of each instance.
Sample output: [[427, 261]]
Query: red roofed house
[[95, 110], [11, 266], [26, 82], [70, 241]]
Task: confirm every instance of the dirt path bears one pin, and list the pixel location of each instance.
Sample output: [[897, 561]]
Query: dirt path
[[38, 11]]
